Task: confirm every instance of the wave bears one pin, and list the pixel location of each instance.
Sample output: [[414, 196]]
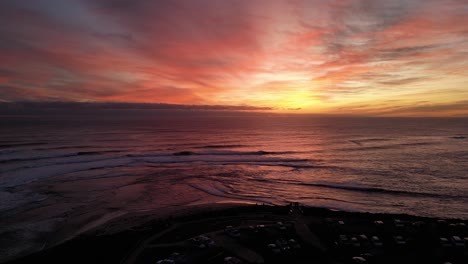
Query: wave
[[237, 153], [13, 145], [458, 137], [213, 153], [28, 156], [9, 151], [57, 156], [65, 147], [384, 147], [367, 189], [221, 146], [51, 148], [156, 158], [260, 162], [417, 144], [81, 153], [359, 188], [25, 175], [83, 161], [360, 142]]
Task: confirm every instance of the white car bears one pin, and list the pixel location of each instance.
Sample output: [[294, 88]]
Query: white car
[[376, 241]]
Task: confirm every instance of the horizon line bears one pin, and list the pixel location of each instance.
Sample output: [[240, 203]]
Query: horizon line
[[18, 108]]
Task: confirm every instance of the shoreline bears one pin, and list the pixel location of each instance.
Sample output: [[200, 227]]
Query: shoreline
[[129, 229]]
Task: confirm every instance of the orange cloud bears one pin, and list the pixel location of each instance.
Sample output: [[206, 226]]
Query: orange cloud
[[315, 55]]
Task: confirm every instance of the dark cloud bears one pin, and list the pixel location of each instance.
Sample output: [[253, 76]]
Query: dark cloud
[[95, 107]]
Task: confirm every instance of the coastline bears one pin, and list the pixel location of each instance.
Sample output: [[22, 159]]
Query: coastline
[[127, 231], [112, 223]]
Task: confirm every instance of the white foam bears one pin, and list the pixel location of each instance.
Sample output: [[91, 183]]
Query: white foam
[[26, 175]]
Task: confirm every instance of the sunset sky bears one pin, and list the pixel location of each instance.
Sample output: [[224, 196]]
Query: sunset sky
[[371, 57]]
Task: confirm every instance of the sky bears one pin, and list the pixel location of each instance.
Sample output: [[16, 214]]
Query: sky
[[369, 57]]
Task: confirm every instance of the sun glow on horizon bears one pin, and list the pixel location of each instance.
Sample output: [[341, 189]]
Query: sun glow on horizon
[[368, 57]]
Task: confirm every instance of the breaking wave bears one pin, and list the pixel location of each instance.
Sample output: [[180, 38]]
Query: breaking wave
[[350, 187]]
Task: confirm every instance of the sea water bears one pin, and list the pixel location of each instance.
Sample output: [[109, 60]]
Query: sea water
[[62, 174]]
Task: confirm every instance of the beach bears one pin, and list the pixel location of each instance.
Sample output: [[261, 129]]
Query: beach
[[246, 232]]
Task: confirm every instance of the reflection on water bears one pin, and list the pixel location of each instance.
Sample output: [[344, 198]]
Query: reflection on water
[[59, 176]]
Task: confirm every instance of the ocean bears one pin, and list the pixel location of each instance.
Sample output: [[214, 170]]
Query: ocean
[[61, 175]]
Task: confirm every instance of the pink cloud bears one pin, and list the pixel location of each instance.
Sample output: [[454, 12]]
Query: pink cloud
[[196, 51]]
